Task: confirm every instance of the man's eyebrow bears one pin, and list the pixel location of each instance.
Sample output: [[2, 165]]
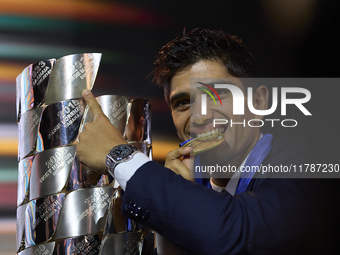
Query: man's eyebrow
[[179, 96], [212, 83]]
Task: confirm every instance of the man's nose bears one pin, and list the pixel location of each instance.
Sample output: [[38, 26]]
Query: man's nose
[[196, 115]]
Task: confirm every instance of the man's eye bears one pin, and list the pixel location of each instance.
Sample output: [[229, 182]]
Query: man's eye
[[222, 91], [181, 103]]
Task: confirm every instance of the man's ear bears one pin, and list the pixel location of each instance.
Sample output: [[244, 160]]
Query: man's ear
[[260, 99]]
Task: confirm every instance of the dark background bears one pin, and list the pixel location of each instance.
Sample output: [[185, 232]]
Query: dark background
[[288, 39]]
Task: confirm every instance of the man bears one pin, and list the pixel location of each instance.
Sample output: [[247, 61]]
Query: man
[[266, 216]]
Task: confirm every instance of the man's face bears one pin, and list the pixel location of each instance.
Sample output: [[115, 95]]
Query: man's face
[[190, 123]]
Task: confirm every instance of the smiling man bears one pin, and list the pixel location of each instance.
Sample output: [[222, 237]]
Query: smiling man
[[247, 215], [185, 102]]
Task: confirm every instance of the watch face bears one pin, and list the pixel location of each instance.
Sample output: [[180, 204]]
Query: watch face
[[121, 151]]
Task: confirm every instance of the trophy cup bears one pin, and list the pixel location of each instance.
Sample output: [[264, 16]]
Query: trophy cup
[[133, 238], [60, 202], [63, 206]]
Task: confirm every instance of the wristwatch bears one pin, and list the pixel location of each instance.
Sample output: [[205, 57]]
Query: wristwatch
[[119, 154]]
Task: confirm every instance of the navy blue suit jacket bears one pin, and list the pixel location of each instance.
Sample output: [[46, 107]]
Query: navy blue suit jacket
[[274, 215]]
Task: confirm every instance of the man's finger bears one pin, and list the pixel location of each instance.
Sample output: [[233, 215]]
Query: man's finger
[[179, 152], [91, 101]]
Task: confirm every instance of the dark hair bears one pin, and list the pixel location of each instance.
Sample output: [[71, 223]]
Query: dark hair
[[202, 44]]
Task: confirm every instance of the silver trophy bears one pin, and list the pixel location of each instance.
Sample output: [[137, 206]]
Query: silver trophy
[[134, 238], [51, 181], [122, 235], [63, 206]]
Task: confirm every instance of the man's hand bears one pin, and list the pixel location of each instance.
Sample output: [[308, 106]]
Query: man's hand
[[178, 165], [98, 137]]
